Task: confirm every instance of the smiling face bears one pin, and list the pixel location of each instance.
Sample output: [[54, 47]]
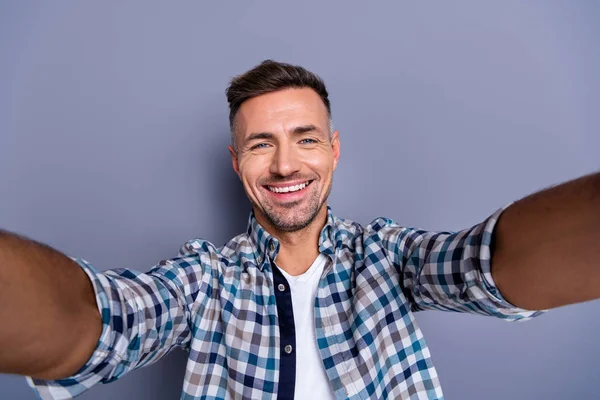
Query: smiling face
[[285, 157]]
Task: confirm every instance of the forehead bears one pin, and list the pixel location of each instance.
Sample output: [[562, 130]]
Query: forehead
[[281, 110]]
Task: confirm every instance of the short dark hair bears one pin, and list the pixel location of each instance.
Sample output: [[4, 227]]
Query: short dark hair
[[271, 76]]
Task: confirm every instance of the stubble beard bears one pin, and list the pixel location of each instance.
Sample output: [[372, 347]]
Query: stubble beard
[[288, 218]]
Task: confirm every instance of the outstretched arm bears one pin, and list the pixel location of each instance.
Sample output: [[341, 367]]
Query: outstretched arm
[[56, 330], [50, 321], [546, 247]]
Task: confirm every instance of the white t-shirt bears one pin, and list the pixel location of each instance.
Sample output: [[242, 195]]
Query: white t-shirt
[[311, 379]]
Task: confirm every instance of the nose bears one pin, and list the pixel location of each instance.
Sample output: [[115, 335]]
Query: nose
[[285, 162]]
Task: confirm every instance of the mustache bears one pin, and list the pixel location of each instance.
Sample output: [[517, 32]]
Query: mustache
[[280, 179]]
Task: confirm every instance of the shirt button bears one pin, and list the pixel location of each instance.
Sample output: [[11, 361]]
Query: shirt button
[[272, 246], [288, 348], [281, 287]]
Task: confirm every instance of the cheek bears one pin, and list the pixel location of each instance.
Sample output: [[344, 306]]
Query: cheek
[[253, 168], [321, 164]]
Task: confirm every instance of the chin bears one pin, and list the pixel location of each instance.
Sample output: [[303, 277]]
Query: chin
[[291, 226], [290, 221]]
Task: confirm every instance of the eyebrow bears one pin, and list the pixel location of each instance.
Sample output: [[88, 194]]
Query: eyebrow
[[296, 131], [260, 135], [304, 128]]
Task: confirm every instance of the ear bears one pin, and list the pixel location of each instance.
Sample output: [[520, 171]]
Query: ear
[[234, 160], [335, 146]]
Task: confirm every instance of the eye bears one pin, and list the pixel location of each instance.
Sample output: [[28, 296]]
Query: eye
[[259, 146], [308, 141]]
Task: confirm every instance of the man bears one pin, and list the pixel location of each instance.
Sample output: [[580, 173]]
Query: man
[[304, 303]]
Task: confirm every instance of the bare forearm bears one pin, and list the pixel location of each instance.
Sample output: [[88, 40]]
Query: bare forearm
[[546, 251], [50, 323]]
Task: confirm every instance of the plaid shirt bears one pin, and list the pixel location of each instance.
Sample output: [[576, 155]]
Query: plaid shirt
[[221, 305]]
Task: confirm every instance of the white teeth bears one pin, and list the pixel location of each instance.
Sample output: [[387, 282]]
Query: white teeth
[[287, 189]]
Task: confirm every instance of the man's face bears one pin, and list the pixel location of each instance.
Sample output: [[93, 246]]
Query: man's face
[[285, 156]]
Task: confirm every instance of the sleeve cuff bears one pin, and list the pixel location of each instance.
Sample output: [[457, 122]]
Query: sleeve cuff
[[89, 374], [509, 310]]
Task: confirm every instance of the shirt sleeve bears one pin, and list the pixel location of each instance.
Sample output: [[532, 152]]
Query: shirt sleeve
[[144, 316], [449, 271]]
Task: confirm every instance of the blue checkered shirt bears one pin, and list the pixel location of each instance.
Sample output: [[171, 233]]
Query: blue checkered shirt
[[220, 304]]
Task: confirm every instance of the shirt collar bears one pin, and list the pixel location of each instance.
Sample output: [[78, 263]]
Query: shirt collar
[[266, 245]]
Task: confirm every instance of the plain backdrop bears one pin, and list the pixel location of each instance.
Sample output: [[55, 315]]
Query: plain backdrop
[[113, 135]]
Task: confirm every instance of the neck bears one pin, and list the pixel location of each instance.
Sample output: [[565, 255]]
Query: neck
[[298, 249]]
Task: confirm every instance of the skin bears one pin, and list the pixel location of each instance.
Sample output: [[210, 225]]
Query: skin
[[50, 303], [282, 140], [547, 246]]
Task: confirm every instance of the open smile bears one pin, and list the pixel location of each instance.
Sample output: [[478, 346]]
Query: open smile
[[288, 190]]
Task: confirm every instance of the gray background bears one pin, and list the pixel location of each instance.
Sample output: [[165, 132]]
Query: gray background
[[113, 134]]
